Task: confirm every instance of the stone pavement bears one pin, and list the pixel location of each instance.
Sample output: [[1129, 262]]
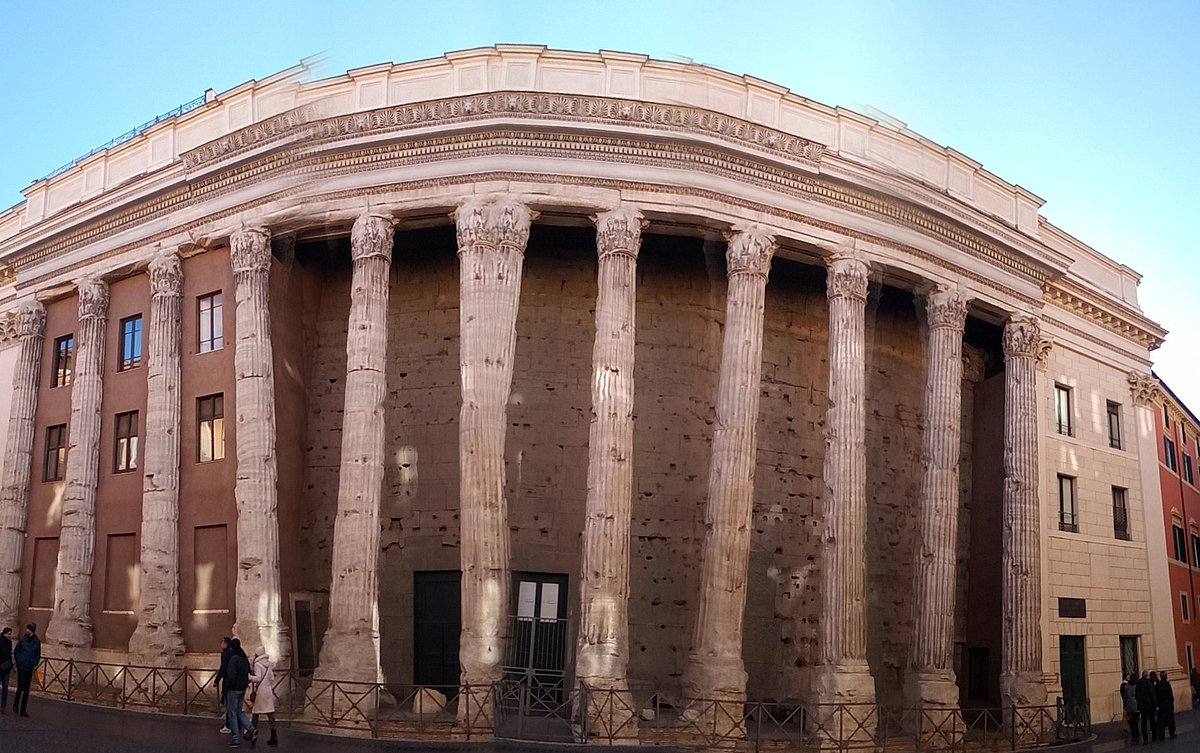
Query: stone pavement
[[55, 726]]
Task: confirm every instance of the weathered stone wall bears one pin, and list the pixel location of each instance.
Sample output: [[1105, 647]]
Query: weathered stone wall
[[680, 305]]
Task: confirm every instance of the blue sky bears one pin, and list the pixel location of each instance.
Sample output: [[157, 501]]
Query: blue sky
[[1093, 106]]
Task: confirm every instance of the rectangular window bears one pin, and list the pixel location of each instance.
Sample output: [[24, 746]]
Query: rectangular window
[[1190, 661], [1062, 409], [1169, 451], [1114, 425], [1179, 538], [126, 443], [1187, 468], [1066, 504], [1195, 546], [211, 326], [210, 414], [977, 674], [64, 361], [1129, 655], [1184, 601], [1068, 607], [131, 342], [1120, 514], [1166, 417], [56, 453]]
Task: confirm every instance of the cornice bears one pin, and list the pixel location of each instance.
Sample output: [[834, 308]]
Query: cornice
[[304, 163], [1112, 315]]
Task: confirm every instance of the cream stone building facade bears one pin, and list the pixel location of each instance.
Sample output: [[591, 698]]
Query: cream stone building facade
[[728, 393]]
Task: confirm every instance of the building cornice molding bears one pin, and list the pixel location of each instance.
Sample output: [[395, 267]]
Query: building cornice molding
[[1111, 315], [303, 164]]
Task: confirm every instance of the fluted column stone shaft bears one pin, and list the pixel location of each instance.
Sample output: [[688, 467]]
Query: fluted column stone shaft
[[18, 457], [934, 577], [351, 647], [159, 635], [843, 674], [491, 251], [715, 668], [71, 624], [602, 656], [1021, 678], [258, 597]]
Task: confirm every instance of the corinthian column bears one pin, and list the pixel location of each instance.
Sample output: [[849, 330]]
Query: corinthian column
[[351, 647], [158, 635], [71, 625], [258, 598], [1021, 681], [931, 657], [843, 676], [491, 252], [603, 646], [18, 457], [715, 670]]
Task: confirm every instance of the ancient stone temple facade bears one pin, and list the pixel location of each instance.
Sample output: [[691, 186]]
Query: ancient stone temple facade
[[528, 367]]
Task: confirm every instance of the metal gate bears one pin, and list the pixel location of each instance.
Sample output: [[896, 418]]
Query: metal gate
[[533, 701]]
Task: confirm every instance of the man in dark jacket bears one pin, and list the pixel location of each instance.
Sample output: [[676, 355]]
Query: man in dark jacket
[[27, 655], [1146, 705], [1164, 697], [6, 665], [225, 653], [237, 679]]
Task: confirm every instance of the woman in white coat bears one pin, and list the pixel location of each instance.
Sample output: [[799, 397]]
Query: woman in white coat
[[263, 681]]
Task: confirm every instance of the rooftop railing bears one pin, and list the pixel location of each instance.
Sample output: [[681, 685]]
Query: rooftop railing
[[130, 134]]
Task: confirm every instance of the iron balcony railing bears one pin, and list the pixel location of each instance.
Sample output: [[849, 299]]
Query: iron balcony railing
[[130, 134], [579, 714]]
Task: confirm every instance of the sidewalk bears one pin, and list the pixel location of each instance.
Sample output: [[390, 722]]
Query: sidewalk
[[56, 725]]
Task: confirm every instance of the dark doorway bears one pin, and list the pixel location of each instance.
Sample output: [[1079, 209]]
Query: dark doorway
[[436, 625], [1073, 673]]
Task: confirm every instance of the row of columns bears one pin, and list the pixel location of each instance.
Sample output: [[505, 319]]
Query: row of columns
[[492, 235], [158, 636]]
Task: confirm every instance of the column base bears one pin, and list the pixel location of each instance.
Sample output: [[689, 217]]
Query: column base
[[715, 695], [845, 710], [347, 686], [1021, 689], [156, 646], [939, 720], [1031, 722]]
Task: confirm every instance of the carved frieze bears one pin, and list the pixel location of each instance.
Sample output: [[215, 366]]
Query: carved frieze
[[305, 123]]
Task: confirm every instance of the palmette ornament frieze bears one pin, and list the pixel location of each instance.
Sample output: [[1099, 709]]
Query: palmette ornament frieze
[[250, 251], [93, 298], [750, 251], [1022, 337], [306, 123], [166, 274], [372, 237], [619, 231]]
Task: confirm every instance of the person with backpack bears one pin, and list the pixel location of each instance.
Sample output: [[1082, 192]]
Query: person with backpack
[[27, 656], [237, 679]]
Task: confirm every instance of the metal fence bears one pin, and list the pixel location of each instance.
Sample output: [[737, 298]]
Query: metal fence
[[582, 714]]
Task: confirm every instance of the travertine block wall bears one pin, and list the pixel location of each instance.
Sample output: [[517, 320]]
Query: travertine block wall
[[1092, 563], [680, 307]]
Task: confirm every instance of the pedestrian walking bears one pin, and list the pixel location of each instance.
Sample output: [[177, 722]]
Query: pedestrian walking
[[220, 678], [6, 665], [1164, 697], [26, 656], [262, 697], [1129, 701], [1146, 704], [237, 679]]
